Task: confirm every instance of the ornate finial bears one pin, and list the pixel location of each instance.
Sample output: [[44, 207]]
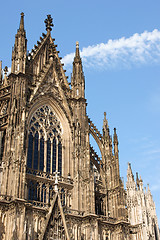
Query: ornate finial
[[77, 44], [5, 70], [77, 56], [49, 23], [104, 115], [22, 14]]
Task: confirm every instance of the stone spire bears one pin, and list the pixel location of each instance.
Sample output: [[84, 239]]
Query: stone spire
[[130, 177], [78, 81], [116, 151], [21, 26], [115, 141], [140, 183], [77, 55], [105, 127], [137, 180], [115, 138], [19, 51]]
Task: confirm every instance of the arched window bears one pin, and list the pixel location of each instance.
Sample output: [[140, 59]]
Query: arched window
[[44, 141]]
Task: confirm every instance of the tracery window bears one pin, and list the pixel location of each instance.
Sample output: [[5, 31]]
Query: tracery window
[[44, 141]]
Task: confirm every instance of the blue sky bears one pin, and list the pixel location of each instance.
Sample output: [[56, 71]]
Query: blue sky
[[120, 46]]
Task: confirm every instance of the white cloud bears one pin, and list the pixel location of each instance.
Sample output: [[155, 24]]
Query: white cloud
[[155, 186], [141, 48]]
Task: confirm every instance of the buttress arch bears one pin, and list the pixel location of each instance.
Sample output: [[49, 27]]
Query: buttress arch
[[98, 141]]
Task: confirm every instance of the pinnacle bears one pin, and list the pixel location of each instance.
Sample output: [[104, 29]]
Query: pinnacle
[[77, 44], [77, 50], [129, 171], [115, 137], [21, 26], [105, 122]]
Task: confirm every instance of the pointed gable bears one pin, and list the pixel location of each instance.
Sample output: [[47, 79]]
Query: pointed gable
[[56, 226], [43, 54], [45, 70]]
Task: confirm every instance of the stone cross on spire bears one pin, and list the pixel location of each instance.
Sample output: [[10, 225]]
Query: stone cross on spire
[[49, 23]]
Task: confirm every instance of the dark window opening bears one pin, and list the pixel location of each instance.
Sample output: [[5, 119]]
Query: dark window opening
[[30, 150], [54, 156], [60, 158], [41, 154], [35, 166], [48, 155]]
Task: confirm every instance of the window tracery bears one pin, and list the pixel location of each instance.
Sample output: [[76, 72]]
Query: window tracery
[[44, 141]]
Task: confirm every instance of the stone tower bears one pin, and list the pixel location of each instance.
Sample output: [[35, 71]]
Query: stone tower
[[53, 185]]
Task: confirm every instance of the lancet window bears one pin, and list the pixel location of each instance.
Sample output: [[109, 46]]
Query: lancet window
[[44, 141]]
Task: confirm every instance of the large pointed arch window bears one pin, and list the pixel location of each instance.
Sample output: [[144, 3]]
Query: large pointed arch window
[[44, 141]]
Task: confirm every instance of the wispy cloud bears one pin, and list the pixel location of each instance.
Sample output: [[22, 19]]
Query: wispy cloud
[[138, 49], [155, 187]]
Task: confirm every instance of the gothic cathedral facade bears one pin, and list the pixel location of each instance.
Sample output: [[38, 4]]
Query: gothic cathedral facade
[[53, 185]]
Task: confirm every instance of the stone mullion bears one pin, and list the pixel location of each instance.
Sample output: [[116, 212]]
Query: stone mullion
[[45, 156], [47, 193], [51, 166], [56, 154], [65, 197], [45, 59], [63, 154], [33, 153], [4, 180], [19, 195], [39, 65], [39, 152], [40, 192], [44, 190]]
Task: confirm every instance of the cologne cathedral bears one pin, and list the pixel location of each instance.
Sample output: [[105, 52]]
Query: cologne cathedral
[[53, 184]]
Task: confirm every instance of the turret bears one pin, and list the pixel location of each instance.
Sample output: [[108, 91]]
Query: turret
[[19, 51], [78, 81]]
